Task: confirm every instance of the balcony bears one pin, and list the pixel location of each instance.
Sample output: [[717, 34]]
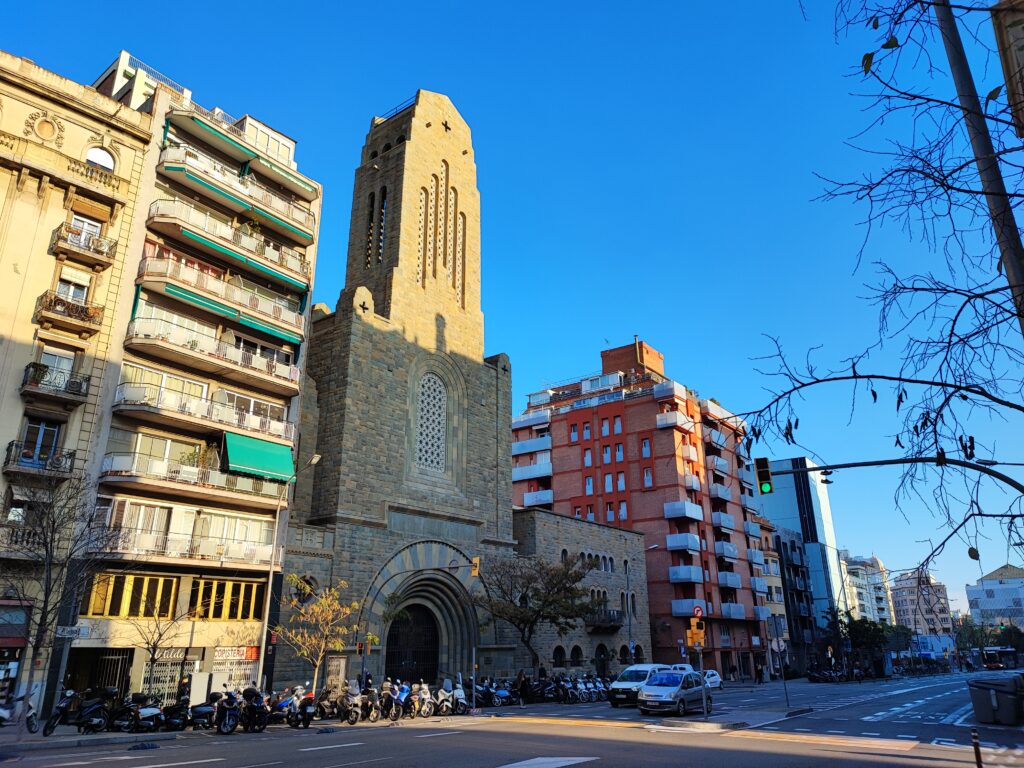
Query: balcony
[[98, 252], [795, 557], [684, 608], [676, 420], [723, 520], [168, 275], [531, 446], [688, 452], [730, 579], [687, 542], [758, 584], [734, 610], [145, 473], [30, 459], [762, 612], [691, 482], [530, 471], [726, 550], [719, 491], [670, 390], [717, 464], [243, 194], [81, 317], [169, 407], [800, 583], [714, 410], [213, 234], [742, 451], [42, 382], [716, 438], [155, 547], [803, 610], [181, 345], [686, 574], [604, 620], [746, 476], [537, 498], [15, 540], [532, 419], [749, 503], [687, 509], [755, 556], [752, 529], [46, 161]]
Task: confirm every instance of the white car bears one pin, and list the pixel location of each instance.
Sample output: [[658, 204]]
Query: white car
[[712, 678]]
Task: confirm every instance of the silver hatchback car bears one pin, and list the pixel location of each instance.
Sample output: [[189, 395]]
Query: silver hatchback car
[[675, 692]]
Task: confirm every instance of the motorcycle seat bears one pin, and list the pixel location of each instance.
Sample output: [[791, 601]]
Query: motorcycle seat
[[143, 699], [250, 693], [216, 696]]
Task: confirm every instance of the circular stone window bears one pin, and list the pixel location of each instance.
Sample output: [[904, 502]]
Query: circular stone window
[[305, 591], [45, 129]]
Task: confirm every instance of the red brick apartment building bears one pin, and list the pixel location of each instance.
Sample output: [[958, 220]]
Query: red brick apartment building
[[632, 448]]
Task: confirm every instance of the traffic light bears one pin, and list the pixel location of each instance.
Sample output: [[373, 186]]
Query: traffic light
[[1002, 625], [764, 476], [359, 649], [474, 569]]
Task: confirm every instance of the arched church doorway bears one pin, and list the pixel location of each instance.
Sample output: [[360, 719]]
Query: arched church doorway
[[413, 645], [601, 660]]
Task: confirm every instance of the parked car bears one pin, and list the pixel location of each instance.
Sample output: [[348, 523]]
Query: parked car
[[683, 668], [712, 678], [627, 685], [675, 692]]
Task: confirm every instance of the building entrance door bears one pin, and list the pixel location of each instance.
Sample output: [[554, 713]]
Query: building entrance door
[[413, 646]]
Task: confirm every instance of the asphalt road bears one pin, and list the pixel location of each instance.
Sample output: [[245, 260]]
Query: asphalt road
[[916, 722]]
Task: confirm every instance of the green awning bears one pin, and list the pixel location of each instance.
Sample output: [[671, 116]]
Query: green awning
[[244, 260], [271, 330], [258, 457], [201, 301]]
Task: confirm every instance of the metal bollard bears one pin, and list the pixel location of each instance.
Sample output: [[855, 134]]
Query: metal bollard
[[977, 747]]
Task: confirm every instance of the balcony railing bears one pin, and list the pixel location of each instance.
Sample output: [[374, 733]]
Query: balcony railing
[[689, 542], [762, 612], [532, 419], [687, 509], [174, 402], [691, 482], [604, 620], [687, 452], [723, 520], [715, 437], [530, 471], [676, 419], [726, 550], [29, 457], [534, 498], [685, 608], [730, 579], [755, 556], [130, 541], [752, 529], [748, 502], [39, 377], [15, 538], [532, 445], [734, 610], [201, 344], [719, 491], [758, 584], [212, 224], [168, 269], [164, 470], [719, 464], [103, 249], [247, 185], [80, 312], [686, 574]]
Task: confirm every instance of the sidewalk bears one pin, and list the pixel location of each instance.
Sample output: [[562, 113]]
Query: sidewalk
[[67, 736], [730, 721]]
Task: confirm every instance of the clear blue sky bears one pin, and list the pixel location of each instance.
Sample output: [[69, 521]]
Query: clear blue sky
[[643, 173]]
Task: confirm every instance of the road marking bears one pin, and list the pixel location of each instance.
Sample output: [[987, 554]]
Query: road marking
[[260, 765], [835, 731], [905, 736], [956, 714], [189, 762], [331, 746], [550, 762], [869, 733], [440, 733], [825, 741], [360, 762], [803, 730]]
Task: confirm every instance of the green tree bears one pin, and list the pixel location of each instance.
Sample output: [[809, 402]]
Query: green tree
[[528, 593], [898, 638], [866, 636]]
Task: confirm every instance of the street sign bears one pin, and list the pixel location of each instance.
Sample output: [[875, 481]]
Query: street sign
[[82, 631], [698, 611]]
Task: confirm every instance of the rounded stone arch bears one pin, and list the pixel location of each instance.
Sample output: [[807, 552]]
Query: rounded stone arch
[[436, 575], [444, 368], [94, 155]]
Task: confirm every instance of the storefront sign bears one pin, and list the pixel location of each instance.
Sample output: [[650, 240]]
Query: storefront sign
[[236, 653]]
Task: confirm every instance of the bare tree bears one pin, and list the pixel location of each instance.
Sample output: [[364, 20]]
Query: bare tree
[[155, 632], [50, 549], [948, 171]]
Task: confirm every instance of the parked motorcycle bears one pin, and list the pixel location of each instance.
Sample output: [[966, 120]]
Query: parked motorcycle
[[449, 700], [279, 703], [14, 711], [325, 706], [227, 714], [370, 704], [390, 706], [91, 715], [139, 713], [254, 715], [350, 703]]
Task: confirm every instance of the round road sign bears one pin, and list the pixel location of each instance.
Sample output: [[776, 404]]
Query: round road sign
[[698, 611]]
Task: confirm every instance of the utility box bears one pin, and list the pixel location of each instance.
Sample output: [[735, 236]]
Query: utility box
[[998, 699]]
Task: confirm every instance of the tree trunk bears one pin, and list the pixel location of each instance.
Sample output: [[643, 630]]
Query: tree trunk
[[316, 676]]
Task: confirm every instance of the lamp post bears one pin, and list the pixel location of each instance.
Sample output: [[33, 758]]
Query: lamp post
[[265, 629], [629, 608]]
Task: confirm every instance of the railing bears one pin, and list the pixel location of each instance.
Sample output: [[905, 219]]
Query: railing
[[94, 175], [723, 520], [725, 549], [81, 311], [730, 579], [758, 584], [719, 491], [212, 224], [672, 419], [734, 610], [71, 236], [201, 344], [182, 545], [755, 556], [158, 268], [400, 108], [718, 464], [42, 376], [691, 482], [160, 78], [683, 541], [22, 455], [686, 574], [152, 396], [18, 537], [247, 185], [139, 465], [687, 509], [538, 497], [529, 471], [605, 617]]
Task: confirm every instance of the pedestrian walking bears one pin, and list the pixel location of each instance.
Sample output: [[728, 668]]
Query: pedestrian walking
[[523, 688]]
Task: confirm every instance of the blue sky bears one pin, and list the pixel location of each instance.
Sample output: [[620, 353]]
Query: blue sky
[[648, 174]]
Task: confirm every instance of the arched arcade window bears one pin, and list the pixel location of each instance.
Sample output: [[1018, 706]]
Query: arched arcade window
[[98, 157], [432, 424]]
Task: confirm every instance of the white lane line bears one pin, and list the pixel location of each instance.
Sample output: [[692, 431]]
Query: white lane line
[[802, 730], [771, 728], [261, 765], [904, 736], [331, 746], [869, 733], [360, 762], [441, 733], [835, 731], [549, 762], [189, 762], [956, 714]]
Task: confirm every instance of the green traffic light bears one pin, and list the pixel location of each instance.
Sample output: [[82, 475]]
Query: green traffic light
[[766, 487]]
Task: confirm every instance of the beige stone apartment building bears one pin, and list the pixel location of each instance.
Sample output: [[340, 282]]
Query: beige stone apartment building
[[158, 258]]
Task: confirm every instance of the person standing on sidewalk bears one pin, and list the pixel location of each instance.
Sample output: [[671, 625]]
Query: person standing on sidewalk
[[523, 688]]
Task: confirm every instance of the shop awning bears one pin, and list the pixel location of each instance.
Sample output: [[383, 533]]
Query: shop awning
[[258, 457]]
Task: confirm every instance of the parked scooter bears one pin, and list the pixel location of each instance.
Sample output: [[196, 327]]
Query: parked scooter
[[90, 716], [279, 703], [227, 715], [10, 715], [140, 712], [296, 705], [254, 714], [449, 699], [370, 703], [424, 699], [390, 706], [350, 703], [325, 706]]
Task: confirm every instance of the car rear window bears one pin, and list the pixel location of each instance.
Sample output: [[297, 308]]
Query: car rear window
[[666, 679]]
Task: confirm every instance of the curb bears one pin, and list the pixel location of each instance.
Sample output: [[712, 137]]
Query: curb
[[699, 725], [84, 741]]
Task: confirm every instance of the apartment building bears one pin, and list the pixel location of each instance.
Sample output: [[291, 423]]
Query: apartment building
[[181, 288], [921, 603], [866, 583], [632, 448], [799, 597], [998, 597], [775, 597]]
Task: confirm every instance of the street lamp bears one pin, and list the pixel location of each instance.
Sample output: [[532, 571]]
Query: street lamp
[[629, 607], [313, 461]]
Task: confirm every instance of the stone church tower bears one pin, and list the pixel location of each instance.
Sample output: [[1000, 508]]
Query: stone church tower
[[411, 420]]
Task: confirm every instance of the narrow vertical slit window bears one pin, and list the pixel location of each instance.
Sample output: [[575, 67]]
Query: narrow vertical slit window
[[370, 207], [382, 218]]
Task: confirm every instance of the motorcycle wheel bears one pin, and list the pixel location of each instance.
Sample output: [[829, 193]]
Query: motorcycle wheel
[[573, 696], [51, 724], [306, 720], [495, 700], [352, 717], [460, 708], [373, 715], [104, 723], [394, 713], [445, 709], [227, 726], [427, 710], [293, 721], [260, 724], [32, 724]]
